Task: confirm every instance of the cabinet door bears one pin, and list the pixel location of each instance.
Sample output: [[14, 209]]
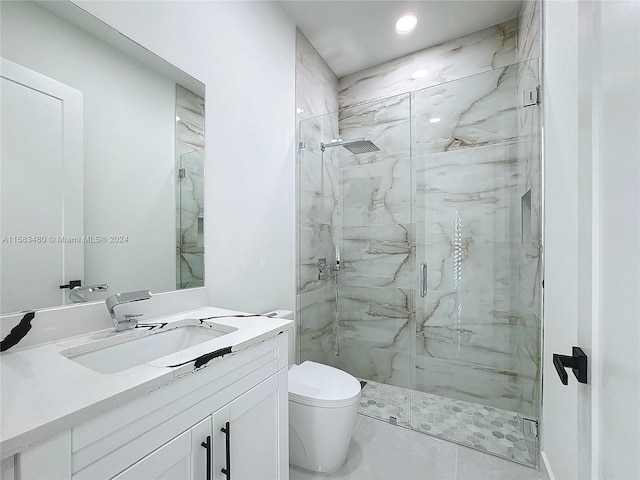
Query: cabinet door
[[254, 428], [184, 457]]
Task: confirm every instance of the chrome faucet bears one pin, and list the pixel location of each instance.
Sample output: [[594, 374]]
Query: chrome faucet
[[128, 320], [77, 294]]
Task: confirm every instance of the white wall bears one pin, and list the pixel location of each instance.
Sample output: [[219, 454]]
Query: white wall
[[245, 54], [129, 135], [560, 100], [618, 153], [592, 251]]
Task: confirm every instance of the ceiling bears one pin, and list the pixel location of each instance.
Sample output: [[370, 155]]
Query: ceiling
[[354, 35]]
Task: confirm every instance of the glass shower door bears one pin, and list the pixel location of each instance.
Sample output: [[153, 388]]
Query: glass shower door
[[375, 282], [476, 211]]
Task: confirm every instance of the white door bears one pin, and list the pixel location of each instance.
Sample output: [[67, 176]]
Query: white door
[[41, 189], [254, 431], [592, 249]]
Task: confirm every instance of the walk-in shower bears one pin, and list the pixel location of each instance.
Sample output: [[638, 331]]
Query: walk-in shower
[[437, 226]]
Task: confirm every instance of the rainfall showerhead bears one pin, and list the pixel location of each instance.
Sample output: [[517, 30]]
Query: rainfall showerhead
[[354, 146]]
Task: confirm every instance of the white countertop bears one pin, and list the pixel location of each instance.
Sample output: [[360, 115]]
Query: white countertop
[[43, 392]]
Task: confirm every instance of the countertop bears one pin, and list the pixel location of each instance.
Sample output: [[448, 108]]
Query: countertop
[[43, 392]]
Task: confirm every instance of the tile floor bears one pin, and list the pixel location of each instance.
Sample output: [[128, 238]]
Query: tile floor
[[379, 450], [489, 429]]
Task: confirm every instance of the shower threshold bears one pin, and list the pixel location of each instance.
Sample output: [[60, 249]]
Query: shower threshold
[[492, 430]]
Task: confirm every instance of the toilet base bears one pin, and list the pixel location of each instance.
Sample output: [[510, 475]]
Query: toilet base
[[319, 437]]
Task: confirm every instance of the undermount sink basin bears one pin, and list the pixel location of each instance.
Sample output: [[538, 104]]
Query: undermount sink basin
[[136, 347]]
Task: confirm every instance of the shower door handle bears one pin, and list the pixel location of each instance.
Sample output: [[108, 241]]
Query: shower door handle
[[423, 280]]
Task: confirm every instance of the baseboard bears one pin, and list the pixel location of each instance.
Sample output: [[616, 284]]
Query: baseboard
[[546, 468]]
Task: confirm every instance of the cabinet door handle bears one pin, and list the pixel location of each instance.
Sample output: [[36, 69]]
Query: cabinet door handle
[[207, 445], [227, 432]]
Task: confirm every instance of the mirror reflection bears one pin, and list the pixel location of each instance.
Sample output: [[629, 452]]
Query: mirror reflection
[[102, 162]]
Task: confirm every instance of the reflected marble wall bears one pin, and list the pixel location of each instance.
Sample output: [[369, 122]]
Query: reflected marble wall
[[190, 188]]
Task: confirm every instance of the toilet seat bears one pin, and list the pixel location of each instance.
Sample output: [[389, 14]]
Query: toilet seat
[[319, 385]]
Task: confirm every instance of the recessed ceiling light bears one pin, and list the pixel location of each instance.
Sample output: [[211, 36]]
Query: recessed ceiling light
[[423, 72], [434, 120], [299, 110], [177, 118], [406, 23]]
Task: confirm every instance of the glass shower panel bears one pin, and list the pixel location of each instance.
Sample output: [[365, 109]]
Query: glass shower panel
[[476, 338], [190, 257], [375, 301], [317, 189]]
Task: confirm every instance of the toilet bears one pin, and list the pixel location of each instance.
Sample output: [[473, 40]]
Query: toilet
[[323, 404]]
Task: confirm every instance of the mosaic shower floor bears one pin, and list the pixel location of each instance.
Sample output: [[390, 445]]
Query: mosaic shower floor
[[495, 431]]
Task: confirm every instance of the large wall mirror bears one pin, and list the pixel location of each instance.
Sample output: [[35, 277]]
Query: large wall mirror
[[102, 162]]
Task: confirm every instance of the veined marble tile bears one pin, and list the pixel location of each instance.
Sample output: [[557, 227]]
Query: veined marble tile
[[528, 38], [191, 267], [316, 130], [381, 304], [191, 197], [530, 276], [385, 365], [190, 127], [385, 122], [315, 242], [317, 197], [377, 256], [492, 387], [474, 111], [377, 318], [529, 264], [190, 188], [316, 317], [484, 50], [502, 346], [472, 306], [376, 193], [316, 84]]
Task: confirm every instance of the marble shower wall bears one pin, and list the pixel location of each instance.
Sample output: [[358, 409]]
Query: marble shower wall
[[476, 335], [376, 301], [316, 84], [529, 258], [471, 338], [475, 53], [318, 190], [190, 188]]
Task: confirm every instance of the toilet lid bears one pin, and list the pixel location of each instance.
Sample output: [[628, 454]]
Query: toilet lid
[[319, 385]]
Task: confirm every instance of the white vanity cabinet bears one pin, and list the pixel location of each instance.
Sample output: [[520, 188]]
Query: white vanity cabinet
[[177, 459], [164, 432], [239, 439]]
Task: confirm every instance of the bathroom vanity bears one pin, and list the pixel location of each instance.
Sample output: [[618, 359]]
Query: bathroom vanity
[[214, 410]]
